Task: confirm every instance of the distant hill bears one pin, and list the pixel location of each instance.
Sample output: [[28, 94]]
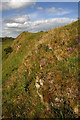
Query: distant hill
[[6, 38], [40, 74]]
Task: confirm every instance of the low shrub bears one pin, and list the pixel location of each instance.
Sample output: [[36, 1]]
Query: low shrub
[[8, 50]]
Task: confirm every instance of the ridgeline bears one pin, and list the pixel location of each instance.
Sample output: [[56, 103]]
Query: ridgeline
[[40, 74]]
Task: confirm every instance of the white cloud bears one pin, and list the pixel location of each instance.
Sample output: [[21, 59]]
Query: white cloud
[[15, 28], [44, 0], [58, 11], [39, 8], [60, 8], [14, 4], [17, 19], [12, 24], [21, 19], [53, 9], [62, 12], [49, 24]]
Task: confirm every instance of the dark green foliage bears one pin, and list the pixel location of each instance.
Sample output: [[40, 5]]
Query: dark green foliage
[[8, 50], [7, 38]]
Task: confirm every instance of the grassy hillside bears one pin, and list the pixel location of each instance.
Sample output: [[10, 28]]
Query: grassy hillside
[[6, 43], [41, 75]]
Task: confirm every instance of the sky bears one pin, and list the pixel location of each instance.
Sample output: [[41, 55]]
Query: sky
[[36, 16]]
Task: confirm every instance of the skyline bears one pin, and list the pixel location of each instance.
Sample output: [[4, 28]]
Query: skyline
[[36, 16]]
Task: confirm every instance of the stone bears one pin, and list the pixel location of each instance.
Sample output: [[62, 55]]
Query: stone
[[37, 86], [41, 83], [57, 100]]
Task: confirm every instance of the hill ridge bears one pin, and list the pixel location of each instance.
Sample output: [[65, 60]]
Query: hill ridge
[[40, 75]]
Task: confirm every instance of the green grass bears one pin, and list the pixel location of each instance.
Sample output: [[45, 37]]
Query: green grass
[[15, 60], [5, 44], [22, 66]]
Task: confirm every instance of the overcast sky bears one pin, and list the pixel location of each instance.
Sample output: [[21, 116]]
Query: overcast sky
[[36, 16]]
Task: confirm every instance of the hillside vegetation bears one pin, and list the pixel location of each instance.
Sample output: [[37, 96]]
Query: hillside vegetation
[[40, 74]]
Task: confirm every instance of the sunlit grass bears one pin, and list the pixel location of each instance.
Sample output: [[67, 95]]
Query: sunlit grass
[[48, 56]]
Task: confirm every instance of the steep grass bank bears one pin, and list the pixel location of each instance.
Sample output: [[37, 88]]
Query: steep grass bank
[[40, 75]]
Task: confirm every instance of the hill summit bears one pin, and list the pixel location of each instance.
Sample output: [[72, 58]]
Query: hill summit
[[41, 74]]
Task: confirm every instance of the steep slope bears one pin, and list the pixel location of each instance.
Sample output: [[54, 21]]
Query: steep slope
[[40, 75], [6, 43], [20, 47]]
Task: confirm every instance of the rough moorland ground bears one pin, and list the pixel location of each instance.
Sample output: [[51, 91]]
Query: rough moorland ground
[[41, 74]]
